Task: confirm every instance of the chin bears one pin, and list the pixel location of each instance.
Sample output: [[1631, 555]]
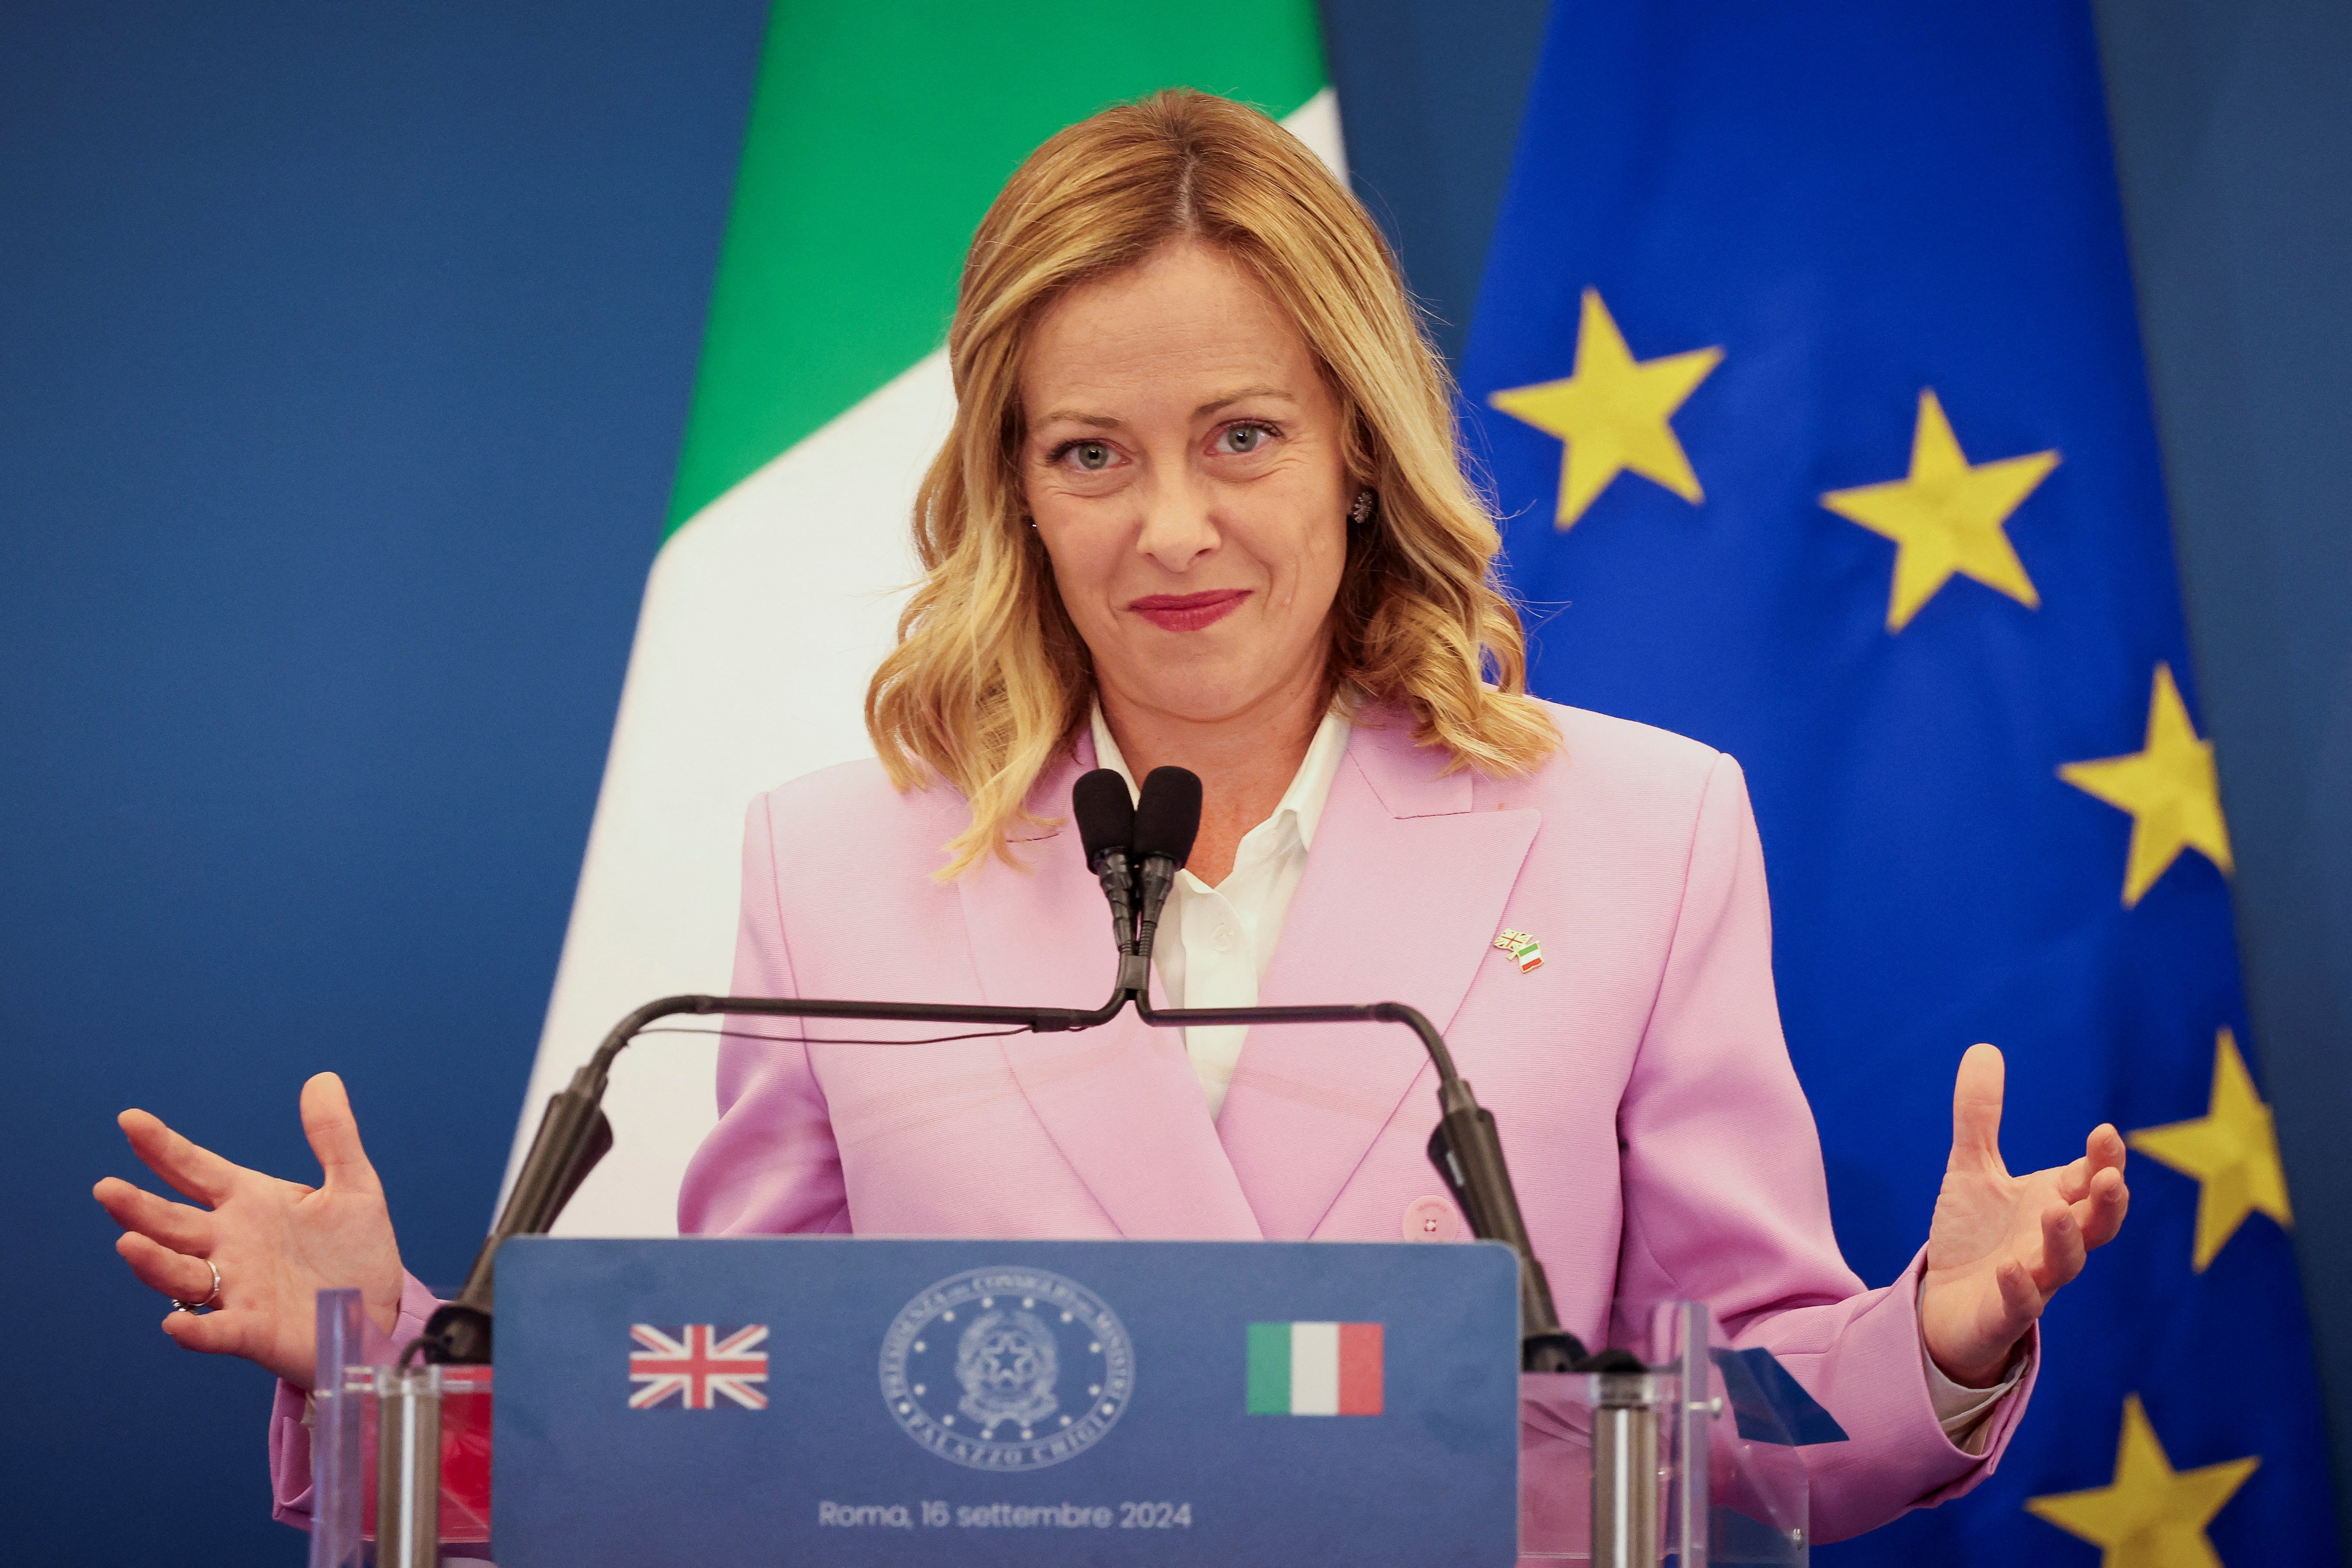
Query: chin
[[1201, 697]]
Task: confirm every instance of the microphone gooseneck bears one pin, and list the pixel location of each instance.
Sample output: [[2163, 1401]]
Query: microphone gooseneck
[[1465, 1147], [573, 1135]]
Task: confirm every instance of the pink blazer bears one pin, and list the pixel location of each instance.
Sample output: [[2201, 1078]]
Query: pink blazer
[[1657, 1136]]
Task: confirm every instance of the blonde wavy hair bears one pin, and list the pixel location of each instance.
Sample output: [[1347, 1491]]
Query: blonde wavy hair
[[989, 683]]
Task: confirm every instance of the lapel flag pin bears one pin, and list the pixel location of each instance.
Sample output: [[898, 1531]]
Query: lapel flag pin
[[1524, 949]]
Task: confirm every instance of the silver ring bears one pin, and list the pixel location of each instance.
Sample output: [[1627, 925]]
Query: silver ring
[[198, 1309]]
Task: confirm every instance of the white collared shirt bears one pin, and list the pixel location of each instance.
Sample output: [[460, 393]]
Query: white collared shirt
[[1225, 935]]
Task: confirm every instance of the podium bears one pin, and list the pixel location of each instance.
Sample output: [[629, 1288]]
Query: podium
[[863, 1401]]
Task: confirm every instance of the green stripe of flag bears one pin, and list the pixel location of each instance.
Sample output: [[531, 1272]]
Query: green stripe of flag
[[878, 136], [1269, 1369]]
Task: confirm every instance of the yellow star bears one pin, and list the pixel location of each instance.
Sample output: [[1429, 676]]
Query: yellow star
[[2231, 1150], [1612, 413], [1946, 516], [2151, 1516], [2169, 788]]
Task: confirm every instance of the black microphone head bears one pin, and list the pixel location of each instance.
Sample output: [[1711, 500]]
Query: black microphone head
[[1105, 811], [1169, 816]]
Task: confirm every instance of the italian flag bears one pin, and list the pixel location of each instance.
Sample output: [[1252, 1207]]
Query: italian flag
[[1315, 1369], [878, 136]]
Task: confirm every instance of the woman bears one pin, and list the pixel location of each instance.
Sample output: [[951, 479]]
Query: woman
[[1202, 506]]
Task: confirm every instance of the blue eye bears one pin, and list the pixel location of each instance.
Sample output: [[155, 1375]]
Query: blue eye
[[1241, 439], [1092, 456]]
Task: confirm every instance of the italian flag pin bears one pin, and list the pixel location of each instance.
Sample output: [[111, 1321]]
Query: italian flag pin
[[1526, 949]]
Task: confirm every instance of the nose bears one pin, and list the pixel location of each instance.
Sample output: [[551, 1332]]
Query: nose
[[1178, 529]]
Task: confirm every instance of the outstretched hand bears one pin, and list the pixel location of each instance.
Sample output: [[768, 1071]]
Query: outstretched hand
[[2001, 1246], [275, 1244]]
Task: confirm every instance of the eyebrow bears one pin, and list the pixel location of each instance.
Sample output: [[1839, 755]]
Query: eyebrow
[[1106, 422], [1232, 398]]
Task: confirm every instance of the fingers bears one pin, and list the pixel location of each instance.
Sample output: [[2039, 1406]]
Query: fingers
[[2019, 1301], [1975, 1110], [215, 1333], [2102, 1151], [2101, 1213], [2094, 1184], [195, 1171], [334, 1134], [173, 1274], [251, 1334], [2062, 1249], [1971, 1319], [175, 1226], [2073, 1181]]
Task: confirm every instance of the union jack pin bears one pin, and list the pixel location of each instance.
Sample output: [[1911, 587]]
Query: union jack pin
[[1524, 949]]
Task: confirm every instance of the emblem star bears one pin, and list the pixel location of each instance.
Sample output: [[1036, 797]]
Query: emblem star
[[1612, 413], [2151, 1515], [2169, 788], [2232, 1151], [1946, 516]]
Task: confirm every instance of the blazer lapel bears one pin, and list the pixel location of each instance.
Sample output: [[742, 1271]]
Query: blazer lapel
[[1405, 887], [1121, 1101]]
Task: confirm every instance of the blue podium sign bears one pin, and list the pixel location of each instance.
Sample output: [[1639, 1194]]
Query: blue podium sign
[[851, 1402]]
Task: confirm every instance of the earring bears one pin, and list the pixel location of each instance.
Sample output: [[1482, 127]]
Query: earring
[[1361, 512]]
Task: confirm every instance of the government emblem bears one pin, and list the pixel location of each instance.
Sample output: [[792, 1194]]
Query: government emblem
[[1007, 1369]]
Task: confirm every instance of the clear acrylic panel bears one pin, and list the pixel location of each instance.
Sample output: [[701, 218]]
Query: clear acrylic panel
[[335, 1488], [348, 1413], [1666, 1478]]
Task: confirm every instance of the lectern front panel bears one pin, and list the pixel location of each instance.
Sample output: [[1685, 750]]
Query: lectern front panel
[[850, 1402]]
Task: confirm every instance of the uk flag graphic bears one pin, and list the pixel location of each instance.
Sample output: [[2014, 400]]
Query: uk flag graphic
[[698, 1361]]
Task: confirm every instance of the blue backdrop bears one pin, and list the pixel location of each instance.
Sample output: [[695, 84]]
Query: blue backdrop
[[343, 352], [343, 355]]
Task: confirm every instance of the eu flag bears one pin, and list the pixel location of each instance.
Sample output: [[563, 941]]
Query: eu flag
[[1807, 374]]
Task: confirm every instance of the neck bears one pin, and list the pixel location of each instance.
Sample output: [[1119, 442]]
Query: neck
[[1246, 760]]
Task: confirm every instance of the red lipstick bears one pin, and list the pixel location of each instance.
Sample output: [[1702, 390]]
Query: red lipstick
[[1189, 612]]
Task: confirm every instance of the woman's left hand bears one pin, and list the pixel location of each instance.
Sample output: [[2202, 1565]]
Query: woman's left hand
[[2002, 1244]]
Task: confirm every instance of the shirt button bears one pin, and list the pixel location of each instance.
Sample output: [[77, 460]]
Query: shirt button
[[1223, 938], [1431, 1219]]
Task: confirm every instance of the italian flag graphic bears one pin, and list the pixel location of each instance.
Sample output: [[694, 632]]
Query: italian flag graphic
[[878, 136], [1315, 1369]]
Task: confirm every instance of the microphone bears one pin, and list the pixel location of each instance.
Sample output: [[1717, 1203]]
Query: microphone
[[1466, 1147], [1106, 831], [1167, 820]]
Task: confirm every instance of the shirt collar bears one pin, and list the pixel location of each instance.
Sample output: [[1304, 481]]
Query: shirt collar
[[1309, 789]]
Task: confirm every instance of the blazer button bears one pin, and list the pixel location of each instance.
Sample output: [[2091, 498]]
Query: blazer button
[[1431, 1219]]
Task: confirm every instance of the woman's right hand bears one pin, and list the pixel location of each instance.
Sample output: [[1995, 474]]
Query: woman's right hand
[[277, 1244]]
